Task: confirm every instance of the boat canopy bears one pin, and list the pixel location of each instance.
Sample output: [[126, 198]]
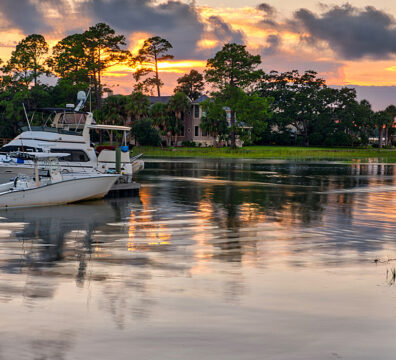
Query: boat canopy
[[59, 110], [110, 127]]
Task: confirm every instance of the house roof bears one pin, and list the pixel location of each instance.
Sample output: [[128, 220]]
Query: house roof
[[201, 99], [158, 99], [165, 99]]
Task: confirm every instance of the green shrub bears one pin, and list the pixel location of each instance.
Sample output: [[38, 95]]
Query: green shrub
[[339, 138], [145, 134], [364, 139], [188, 143], [329, 141], [316, 139]]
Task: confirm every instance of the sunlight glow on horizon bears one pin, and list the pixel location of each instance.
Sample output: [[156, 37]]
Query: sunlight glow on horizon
[[291, 52]]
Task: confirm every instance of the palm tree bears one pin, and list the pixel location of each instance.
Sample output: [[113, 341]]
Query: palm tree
[[391, 111], [114, 112], [159, 115], [178, 106], [214, 121], [381, 119], [137, 106]]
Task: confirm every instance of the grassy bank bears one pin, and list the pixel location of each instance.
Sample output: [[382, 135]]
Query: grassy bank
[[272, 152]]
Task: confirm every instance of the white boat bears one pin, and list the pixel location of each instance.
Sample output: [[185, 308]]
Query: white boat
[[69, 133], [50, 187]]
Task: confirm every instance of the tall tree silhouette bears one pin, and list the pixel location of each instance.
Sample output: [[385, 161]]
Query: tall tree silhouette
[[154, 50]]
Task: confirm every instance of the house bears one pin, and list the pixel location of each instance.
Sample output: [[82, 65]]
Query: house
[[201, 138], [191, 130]]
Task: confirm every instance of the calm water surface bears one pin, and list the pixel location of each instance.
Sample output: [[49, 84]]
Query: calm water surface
[[214, 260]]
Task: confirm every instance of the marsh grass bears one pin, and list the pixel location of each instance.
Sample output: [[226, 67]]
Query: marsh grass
[[274, 152]]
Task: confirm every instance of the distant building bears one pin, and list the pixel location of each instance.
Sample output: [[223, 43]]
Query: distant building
[[191, 130]]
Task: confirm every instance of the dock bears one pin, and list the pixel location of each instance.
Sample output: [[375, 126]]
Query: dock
[[124, 189]]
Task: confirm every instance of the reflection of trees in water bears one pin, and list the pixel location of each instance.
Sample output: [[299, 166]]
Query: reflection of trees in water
[[49, 346], [123, 244], [39, 343], [288, 196], [237, 207], [43, 237], [284, 195], [129, 297], [53, 240], [292, 193]]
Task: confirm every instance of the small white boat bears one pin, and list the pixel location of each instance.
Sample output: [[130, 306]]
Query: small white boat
[[50, 187]]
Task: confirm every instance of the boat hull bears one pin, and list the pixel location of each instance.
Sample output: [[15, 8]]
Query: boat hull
[[63, 192]]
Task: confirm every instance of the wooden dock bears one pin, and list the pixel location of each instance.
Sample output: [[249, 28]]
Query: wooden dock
[[124, 189]]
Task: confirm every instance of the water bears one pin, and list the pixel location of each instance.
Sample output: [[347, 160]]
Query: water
[[214, 260]]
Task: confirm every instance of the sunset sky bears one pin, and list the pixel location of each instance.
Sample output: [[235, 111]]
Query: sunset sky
[[347, 43]]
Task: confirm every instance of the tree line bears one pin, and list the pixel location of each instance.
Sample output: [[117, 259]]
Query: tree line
[[282, 108]]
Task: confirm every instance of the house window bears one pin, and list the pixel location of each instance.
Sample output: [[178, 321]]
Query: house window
[[182, 116], [196, 131], [196, 111], [204, 133], [182, 131]]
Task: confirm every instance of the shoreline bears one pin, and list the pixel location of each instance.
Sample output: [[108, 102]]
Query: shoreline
[[272, 152]]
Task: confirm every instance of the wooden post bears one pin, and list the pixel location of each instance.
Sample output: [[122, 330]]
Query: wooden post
[[118, 160], [36, 173]]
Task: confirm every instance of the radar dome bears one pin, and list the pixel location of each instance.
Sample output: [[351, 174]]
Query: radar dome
[[81, 96]]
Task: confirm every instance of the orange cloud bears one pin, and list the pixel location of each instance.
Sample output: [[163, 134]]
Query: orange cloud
[[136, 41], [368, 73], [181, 66], [246, 19], [205, 44]]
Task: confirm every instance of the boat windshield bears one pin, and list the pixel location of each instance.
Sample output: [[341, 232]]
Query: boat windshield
[[50, 129], [50, 164], [65, 121], [69, 121]]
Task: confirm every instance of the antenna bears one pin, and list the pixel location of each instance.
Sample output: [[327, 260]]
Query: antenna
[[27, 118]]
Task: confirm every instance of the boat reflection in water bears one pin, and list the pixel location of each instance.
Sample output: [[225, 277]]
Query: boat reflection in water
[[214, 259]]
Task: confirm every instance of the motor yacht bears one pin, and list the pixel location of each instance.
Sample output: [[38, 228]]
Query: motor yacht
[[67, 130]]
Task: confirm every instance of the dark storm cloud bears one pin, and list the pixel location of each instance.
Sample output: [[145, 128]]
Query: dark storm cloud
[[352, 32], [269, 21], [224, 32], [62, 6], [23, 15], [273, 42], [267, 9], [176, 21], [141, 15]]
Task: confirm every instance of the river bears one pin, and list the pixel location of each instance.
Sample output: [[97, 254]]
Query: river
[[215, 259]]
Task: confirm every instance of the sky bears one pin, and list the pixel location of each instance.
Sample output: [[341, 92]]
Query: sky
[[348, 44]]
